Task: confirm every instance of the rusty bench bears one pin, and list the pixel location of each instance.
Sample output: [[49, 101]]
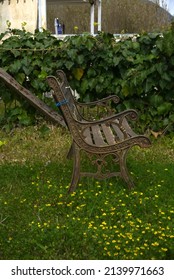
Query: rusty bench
[[106, 135]]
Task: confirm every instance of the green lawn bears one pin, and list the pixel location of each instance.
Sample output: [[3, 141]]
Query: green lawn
[[101, 220]]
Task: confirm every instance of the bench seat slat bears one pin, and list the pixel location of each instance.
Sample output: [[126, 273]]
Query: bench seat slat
[[108, 134], [97, 136], [88, 136], [128, 129], [119, 136]]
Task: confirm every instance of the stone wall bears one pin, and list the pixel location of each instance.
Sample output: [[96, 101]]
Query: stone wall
[[17, 12]]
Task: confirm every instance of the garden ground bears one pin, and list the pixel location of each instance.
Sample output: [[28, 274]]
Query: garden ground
[[101, 220]]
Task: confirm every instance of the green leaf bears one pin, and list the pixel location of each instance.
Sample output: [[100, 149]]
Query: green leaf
[[80, 59], [2, 143], [20, 77], [43, 75], [125, 91], [116, 60], [78, 73], [166, 76], [69, 64], [89, 44], [156, 100], [164, 108], [84, 86], [150, 83], [15, 67]]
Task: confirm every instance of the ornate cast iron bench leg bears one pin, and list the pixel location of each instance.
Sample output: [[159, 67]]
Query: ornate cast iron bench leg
[[76, 167], [123, 169]]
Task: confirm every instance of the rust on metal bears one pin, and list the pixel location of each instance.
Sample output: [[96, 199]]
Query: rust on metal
[[98, 131]]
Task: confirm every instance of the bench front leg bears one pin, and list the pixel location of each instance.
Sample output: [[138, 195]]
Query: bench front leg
[[123, 169]]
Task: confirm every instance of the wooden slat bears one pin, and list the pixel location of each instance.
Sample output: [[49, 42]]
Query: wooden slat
[[88, 136], [97, 136], [110, 138], [128, 128], [118, 132]]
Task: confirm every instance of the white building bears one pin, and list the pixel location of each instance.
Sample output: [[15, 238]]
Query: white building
[[33, 13]]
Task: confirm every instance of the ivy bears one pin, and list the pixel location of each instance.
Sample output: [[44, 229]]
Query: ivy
[[139, 70]]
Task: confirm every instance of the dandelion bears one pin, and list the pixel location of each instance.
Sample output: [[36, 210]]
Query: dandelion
[[164, 249], [104, 214], [60, 203], [129, 214], [155, 244], [73, 194]]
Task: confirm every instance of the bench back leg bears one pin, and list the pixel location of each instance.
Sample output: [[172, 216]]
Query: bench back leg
[[76, 168]]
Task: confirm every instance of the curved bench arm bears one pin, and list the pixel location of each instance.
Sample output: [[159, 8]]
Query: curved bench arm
[[130, 113], [98, 109]]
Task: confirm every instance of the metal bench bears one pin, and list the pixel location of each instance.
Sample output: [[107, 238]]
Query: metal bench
[[109, 135]]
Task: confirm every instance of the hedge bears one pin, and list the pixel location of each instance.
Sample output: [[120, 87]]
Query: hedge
[[139, 69]]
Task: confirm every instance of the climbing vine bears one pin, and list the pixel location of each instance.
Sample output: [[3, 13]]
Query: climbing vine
[[139, 70]]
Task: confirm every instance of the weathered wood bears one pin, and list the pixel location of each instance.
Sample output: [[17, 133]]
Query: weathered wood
[[44, 109], [109, 136]]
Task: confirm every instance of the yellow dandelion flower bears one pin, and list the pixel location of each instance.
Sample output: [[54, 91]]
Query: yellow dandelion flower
[[164, 249]]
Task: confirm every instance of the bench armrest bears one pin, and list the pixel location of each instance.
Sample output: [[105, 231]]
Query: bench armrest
[[98, 109], [119, 117]]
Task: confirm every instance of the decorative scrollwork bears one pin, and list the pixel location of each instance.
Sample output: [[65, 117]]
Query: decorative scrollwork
[[105, 140]]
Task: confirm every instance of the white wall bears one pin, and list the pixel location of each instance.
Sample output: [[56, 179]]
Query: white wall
[[17, 12]]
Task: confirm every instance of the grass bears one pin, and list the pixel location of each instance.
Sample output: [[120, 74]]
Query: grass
[[101, 220]]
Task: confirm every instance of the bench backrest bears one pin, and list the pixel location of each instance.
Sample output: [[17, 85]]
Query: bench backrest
[[63, 97]]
